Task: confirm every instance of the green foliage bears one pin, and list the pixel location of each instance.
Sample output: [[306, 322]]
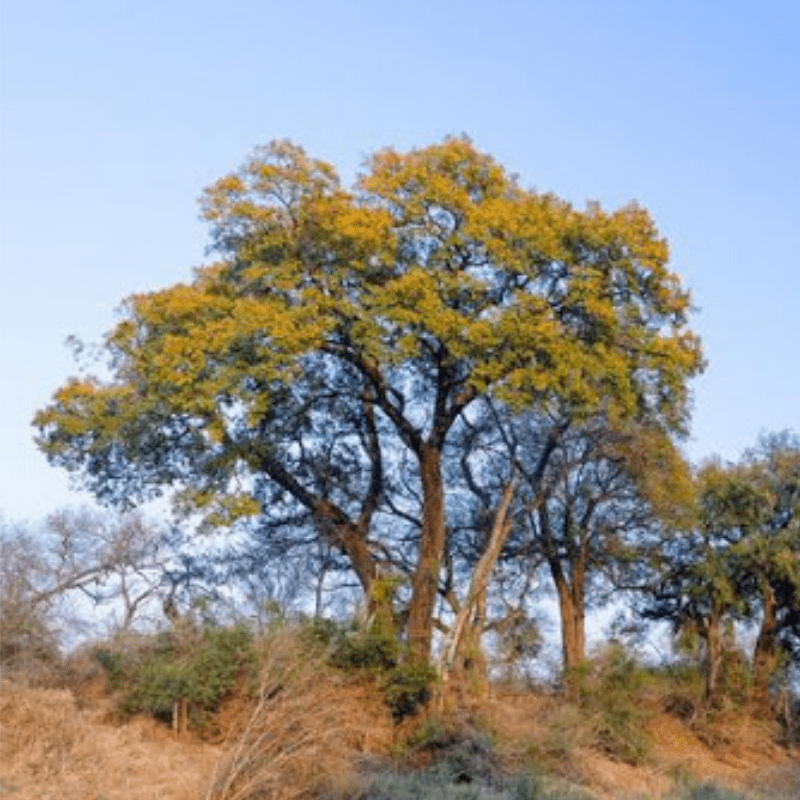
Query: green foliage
[[738, 562], [374, 648], [608, 691], [113, 662], [407, 686], [199, 667], [435, 281], [318, 632]]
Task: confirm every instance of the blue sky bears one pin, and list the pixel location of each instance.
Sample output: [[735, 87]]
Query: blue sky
[[114, 115]]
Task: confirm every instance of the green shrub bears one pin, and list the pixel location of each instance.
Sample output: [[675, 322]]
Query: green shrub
[[374, 648], [113, 663], [407, 687], [608, 690], [197, 666], [318, 632]]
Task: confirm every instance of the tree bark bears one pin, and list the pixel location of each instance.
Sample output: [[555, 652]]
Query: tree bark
[[572, 611], [764, 654], [472, 609], [180, 716], [425, 580]]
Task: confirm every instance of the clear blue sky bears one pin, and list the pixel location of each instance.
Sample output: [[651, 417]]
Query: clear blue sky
[[116, 114]]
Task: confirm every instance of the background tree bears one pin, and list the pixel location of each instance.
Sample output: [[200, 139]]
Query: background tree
[[340, 326], [76, 559], [764, 496], [741, 560], [592, 495]]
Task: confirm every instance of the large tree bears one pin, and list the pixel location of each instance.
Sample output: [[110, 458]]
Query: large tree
[[339, 329], [592, 498]]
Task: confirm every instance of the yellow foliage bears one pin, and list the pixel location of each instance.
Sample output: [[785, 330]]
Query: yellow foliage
[[436, 261]]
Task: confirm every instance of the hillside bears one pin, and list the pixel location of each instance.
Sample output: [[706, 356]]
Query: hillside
[[321, 735]]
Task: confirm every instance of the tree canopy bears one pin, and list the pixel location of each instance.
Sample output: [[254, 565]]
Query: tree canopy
[[740, 560], [312, 378]]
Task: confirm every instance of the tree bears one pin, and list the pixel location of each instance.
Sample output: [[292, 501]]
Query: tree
[[341, 328], [764, 501], [741, 559], [104, 560], [592, 496]]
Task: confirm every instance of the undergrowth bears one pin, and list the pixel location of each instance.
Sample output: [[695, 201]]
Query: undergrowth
[[196, 665], [375, 649], [607, 691]]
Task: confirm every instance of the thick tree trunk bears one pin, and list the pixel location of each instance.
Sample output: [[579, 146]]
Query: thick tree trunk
[[764, 654], [571, 607], [425, 581]]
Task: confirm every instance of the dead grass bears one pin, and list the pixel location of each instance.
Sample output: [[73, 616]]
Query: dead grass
[[541, 732], [308, 725], [309, 728], [50, 749]]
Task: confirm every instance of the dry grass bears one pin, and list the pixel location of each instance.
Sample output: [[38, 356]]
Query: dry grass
[[308, 726], [52, 750], [543, 733]]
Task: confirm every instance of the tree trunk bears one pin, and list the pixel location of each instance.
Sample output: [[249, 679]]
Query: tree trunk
[[180, 716], [465, 635], [571, 607], [764, 654], [713, 637], [354, 542], [425, 581]]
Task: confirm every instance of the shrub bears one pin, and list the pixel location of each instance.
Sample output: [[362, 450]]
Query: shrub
[[407, 686], [374, 648], [113, 662], [608, 691], [198, 667], [441, 782], [318, 632]]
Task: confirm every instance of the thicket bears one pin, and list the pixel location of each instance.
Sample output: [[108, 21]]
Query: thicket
[[608, 691], [200, 665], [195, 666], [404, 679]]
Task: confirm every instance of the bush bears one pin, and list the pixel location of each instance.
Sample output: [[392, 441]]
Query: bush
[[375, 649], [318, 632], [407, 687], [113, 663], [195, 666], [442, 782], [608, 691]]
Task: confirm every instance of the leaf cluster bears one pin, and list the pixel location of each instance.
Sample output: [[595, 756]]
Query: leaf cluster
[[197, 666]]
